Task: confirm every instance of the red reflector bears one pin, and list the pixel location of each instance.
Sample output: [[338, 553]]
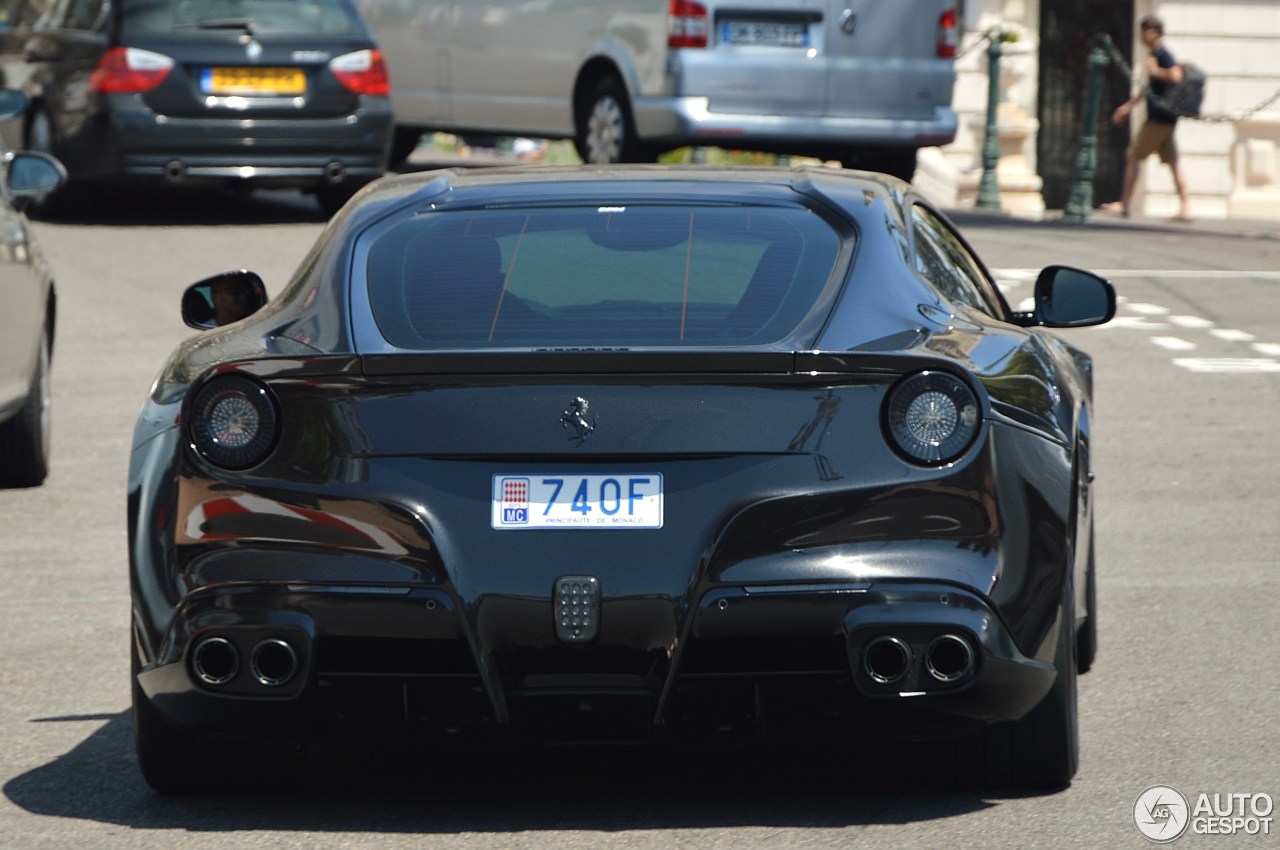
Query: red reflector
[[129, 70], [363, 72]]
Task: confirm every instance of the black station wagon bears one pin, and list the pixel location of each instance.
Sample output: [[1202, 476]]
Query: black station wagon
[[249, 93]]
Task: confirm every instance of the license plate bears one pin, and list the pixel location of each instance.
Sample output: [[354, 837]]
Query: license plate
[[632, 500], [253, 81], [764, 33]]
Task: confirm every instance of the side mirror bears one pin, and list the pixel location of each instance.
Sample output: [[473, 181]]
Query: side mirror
[[1073, 298], [30, 173], [222, 299]]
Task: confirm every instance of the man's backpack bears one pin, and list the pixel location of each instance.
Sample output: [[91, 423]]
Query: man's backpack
[[1186, 97]]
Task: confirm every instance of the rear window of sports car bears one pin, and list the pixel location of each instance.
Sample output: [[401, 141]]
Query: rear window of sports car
[[607, 276], [253, 16]]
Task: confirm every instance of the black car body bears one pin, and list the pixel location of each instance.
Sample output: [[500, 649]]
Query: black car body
[[282, 93], [28, 312], [618, 455]]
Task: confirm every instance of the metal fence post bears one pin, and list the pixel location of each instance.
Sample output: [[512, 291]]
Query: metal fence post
[[1081, 203], [989, 187]]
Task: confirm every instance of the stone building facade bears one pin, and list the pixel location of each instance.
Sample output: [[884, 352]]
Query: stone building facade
[[1231, 160]]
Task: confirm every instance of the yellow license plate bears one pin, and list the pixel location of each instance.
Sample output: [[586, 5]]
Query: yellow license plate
[[255, 81]]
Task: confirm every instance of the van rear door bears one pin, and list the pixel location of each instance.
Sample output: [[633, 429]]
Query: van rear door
[[891, 60], [764, 57]]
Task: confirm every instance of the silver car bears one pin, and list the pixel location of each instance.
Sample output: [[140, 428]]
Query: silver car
[[27, 312], [866, 82]]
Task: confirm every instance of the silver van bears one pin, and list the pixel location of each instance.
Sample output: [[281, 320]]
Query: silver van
[[866, 82]]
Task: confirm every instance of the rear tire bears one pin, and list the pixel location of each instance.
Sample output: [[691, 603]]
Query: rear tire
[[404, 141], [68, 199], [898, 162], [1042, 750], [606, 129], [24, 439], [173, 761], [333, 198], [1087, 637]]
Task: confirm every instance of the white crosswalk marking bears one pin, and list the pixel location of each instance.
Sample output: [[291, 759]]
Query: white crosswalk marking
[[1141, 323], [1233, 335], [1190, 322], [1172, 343], [1144, 316]]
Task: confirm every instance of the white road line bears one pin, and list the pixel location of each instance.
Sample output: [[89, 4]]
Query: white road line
[[1271, 349], [1016, 275], [1148, 309], [1190, 322], [1215, 274], [1173, 343], [1228, 364]]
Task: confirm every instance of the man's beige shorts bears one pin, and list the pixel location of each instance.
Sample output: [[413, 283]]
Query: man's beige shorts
[[1154, 137]]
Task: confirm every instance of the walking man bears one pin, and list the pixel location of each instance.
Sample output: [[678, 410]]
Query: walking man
[[1156, 134]]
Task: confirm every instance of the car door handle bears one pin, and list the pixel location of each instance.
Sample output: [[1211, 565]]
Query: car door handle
[[848, 22]]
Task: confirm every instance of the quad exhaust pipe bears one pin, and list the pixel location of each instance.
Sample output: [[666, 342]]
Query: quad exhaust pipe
[[888, 659], [274, 662], [949, 658], [216, 661]]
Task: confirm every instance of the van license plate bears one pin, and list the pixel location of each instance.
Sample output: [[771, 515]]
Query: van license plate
[[765, 33], [630, 500]]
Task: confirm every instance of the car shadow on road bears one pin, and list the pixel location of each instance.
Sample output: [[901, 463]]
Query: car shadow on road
[[411, 791], [161, 206]]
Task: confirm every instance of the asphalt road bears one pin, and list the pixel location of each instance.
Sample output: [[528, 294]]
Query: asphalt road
[[1184, 693]]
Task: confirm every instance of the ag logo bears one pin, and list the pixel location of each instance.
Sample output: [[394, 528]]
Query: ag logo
[[1161, 813]]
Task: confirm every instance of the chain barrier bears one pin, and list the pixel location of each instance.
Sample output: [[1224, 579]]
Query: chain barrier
[[1135, 79], [982, 39]]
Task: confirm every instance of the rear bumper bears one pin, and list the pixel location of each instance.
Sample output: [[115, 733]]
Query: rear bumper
[[690, 120], [754, 662], [129, 140]]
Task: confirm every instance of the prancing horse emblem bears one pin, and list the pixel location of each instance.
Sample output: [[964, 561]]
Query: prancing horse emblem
[[576, 418]]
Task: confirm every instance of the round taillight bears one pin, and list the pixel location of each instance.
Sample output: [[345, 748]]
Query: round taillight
[[931, 417], [233, 422]]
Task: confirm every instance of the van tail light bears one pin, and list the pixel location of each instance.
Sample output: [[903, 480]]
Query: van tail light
[[129, 70], [686, 24], [948, 34], [363, 72]]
